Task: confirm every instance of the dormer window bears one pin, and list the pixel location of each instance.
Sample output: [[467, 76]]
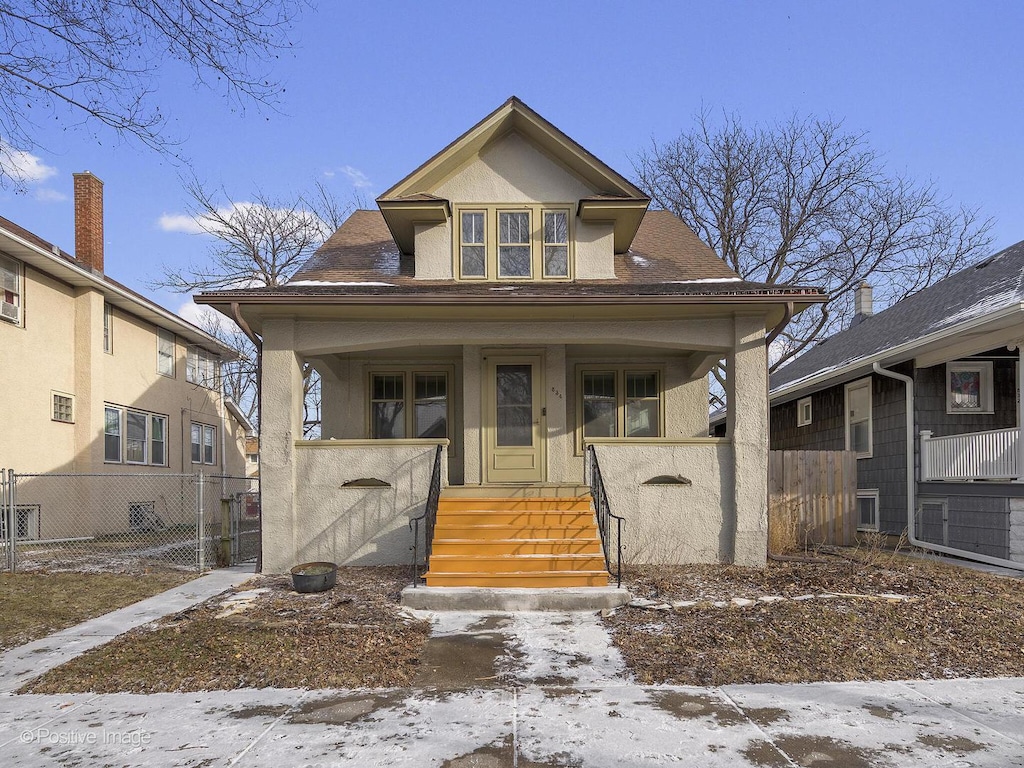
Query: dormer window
[[522, 242]]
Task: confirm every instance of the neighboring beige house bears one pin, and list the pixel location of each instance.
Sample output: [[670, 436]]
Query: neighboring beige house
[[98, 379], [514, 301]]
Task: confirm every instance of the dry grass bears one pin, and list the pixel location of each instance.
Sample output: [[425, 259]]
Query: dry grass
[[37, 604], [958, 623], [351, 636]]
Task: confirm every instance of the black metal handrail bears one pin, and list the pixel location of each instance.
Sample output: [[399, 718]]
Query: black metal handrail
[[604, 515], [429, 519]]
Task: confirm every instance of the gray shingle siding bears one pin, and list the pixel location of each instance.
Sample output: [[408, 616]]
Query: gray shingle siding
[[930, 400], [974, 523]]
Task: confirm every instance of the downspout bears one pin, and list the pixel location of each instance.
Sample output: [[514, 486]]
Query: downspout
[[912, 486], [257, 342], [787, 315]]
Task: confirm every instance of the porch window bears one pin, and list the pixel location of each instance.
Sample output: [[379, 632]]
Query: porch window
[[408, 403], [621, 401], [969, 387], [514, 256], [10, 290], [858, 418], [867, 510]]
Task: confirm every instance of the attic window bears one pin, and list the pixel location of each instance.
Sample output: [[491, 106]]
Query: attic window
[[513, 242]]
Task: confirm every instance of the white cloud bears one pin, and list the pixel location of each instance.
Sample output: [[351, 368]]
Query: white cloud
[[23, 167], [47, 195], [180, 222], [197, 315], [358, 179]]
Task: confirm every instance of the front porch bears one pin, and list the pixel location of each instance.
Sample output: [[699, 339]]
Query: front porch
[[515, 417]]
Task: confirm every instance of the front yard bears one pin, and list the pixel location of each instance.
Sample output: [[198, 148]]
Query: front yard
[[849, 615], [865, 615], [38, 604]]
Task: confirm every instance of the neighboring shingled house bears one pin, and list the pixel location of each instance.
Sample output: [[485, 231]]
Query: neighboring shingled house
[[952, 353], [514, 302]]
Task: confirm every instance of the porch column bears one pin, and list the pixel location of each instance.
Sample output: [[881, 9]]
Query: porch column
[[560, 441], [747, 391], [472, 413], [335, 402], [281, 427]]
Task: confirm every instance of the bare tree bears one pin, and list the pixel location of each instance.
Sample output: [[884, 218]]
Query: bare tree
[[805, 202], [258, 244], [95, 63]]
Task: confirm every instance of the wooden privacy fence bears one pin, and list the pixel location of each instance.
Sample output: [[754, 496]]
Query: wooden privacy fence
[[812, 499]]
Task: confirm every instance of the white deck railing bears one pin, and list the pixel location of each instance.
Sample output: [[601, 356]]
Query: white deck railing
[[990, 455]]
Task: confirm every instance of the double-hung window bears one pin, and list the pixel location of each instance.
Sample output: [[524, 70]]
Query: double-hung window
[[514, 239], [134, 437], [10, 290], [556, 244], [204, 442], [408, 404], [621, 402], [858, 418], [108, 328], [473, 248], [165, 352], [202, 368]]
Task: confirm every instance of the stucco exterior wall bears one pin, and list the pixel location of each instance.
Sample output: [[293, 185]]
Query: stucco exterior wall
[[672, 523], [434, 252], [512, 171], [356, 525], [58, 348], [595, 251]]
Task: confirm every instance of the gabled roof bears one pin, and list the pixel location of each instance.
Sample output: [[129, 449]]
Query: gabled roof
[[363, 250], [33, 250], [514, 115], [966, 307]]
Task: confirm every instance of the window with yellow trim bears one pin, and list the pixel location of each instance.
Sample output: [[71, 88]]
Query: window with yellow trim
[[513, 242], [620, 402], [408, 404]]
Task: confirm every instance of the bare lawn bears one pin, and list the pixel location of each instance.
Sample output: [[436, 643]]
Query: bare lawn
[[855, 616], [38, 604], [352, 636]]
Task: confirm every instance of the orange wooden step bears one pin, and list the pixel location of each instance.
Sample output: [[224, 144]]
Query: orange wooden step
[[510, 563], [580, 504], [535, 579], [542, 546], [505, 517], [447, 530]]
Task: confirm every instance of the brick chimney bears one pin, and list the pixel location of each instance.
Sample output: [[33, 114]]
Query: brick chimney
[[89, 220]]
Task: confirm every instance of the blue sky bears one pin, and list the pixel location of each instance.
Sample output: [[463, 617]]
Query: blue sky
[[374, 89]]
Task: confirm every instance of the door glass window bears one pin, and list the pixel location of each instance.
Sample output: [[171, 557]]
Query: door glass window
[[514, 402]]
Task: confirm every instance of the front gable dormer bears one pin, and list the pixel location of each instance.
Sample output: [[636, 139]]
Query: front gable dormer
[[513, 199]]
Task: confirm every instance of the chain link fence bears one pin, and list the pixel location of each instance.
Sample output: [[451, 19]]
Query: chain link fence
[[127, 522]]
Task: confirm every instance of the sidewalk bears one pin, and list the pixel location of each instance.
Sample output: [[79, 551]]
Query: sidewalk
[[19, 665], [529, 690]]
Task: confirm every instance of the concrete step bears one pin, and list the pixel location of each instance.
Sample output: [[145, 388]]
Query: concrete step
[[532, 579], [586, 598], [516, 546], [579, 504], [527, 519], [493, 564]]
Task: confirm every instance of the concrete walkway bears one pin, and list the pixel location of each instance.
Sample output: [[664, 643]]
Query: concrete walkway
[[528, 690], [19, 665]]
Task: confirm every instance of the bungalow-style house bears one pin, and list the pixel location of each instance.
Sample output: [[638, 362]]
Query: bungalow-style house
[[100, 380], [927, 392], [514, 302]]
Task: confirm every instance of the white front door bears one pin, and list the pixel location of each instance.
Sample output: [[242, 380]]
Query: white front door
[[513, 419]]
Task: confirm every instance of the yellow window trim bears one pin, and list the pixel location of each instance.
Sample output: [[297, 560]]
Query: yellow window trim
[[619, 370], [408, 372], [491, 212]]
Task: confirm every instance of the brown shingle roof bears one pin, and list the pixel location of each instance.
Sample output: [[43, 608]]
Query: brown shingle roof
[[664, 250]]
